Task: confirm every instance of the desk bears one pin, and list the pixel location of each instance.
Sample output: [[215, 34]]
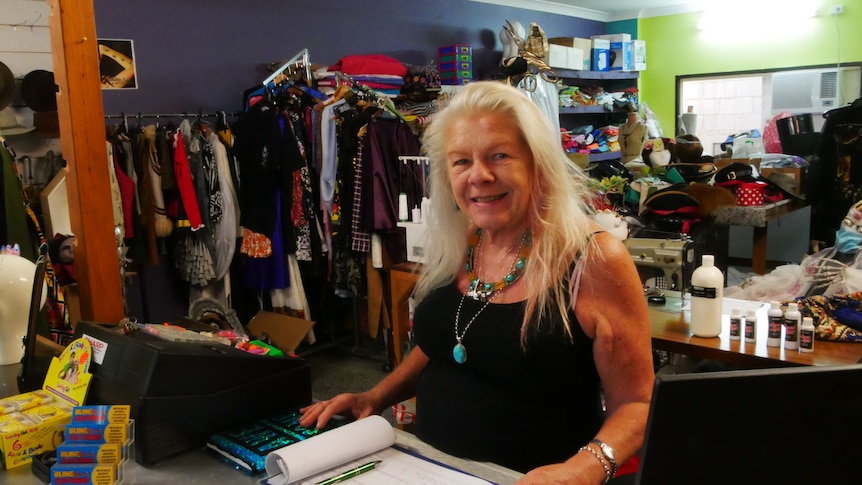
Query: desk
[[200, 467], [758, 219], [670, 332]]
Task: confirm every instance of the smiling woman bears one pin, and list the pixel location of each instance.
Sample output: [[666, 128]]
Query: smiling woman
[[527, 310]]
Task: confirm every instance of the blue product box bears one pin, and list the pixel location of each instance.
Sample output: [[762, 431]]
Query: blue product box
[[83, 473], [89, 453], [601, 55]]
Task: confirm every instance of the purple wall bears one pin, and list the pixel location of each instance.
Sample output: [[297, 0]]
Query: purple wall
[[198, 55]]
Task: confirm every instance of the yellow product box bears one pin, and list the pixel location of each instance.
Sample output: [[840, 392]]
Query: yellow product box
[[13, 422], [46, 412], [83, 473], [27, 400], [65, 386]]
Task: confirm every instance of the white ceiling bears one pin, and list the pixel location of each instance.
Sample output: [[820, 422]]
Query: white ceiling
[[605, 10]]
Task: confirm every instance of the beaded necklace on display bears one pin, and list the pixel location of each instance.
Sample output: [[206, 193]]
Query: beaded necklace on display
[[485, 292]]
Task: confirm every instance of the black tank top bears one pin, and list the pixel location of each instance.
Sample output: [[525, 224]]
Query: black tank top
[[515, 407]]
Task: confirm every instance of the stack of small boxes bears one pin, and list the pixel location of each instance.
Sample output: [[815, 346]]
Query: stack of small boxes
[[97, 446], [456, 64]]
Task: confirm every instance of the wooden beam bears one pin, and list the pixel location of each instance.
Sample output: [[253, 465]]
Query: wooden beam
[[82, 132]]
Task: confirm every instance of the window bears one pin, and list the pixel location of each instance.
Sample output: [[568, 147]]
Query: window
[[727, 104]]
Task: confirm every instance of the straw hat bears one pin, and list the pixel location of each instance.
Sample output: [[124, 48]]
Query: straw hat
[[9, 124], [7, 85]]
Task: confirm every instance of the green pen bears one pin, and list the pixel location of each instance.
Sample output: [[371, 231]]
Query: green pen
[[350, 473]]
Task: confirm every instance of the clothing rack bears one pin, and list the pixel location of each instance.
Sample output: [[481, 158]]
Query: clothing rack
[[418, 159], [368, 93], [301, 59], [174, 115]]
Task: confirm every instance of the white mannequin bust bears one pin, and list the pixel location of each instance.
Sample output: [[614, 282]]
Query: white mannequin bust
[[511, 43]]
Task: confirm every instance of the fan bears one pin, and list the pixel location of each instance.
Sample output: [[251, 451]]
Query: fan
[[17, 291]]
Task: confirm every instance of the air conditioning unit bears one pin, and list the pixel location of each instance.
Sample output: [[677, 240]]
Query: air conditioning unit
[[813, 90]]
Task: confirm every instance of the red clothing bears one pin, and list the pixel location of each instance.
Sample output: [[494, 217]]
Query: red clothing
[[185, 183], [369, 64]]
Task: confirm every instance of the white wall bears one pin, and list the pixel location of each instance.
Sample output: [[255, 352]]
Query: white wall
[[25, 45]]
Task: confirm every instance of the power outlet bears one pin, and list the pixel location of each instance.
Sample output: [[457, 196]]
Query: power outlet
[[836, 10]]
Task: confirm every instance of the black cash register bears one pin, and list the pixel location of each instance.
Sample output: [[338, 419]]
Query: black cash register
[[181, 393]]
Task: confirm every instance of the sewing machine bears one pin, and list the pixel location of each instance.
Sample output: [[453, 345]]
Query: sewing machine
[[663, 263]]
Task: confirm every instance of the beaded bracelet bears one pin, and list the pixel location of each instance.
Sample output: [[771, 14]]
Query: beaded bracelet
[[601, 460]]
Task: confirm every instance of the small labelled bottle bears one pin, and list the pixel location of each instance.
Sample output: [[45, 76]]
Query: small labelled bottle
[[775, 317], [792, 322], [735, 323], [806, 335], [751, 326], [403, 210], [707, 290]]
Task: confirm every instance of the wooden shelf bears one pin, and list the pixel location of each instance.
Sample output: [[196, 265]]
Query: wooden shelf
[[591, 109], [609, 155], [598, 75]]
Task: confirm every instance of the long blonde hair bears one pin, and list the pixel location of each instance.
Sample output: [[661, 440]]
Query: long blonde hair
[[559, 223]]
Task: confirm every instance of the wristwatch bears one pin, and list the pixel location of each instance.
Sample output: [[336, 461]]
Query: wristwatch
[[608, 452]]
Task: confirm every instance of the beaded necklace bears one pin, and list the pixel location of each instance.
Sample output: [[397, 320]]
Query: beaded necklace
[[483, 291]]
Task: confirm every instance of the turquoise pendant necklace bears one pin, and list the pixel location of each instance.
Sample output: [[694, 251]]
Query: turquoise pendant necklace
[[459, 352], [479, 290]]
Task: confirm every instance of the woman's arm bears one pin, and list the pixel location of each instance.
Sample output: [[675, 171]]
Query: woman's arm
[[394, 388], [612, 310]]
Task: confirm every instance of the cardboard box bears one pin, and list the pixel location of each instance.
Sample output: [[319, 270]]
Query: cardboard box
[[639, 55], [565, 57], [791, 179], [582, 44], [620, 47], [284, 332], [67, 380], [600, 54], [414, 237]]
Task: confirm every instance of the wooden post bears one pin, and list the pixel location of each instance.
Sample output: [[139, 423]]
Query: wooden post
[[82, 131]]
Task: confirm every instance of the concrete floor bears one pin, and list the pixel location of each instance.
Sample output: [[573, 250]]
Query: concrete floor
[[346, 367]]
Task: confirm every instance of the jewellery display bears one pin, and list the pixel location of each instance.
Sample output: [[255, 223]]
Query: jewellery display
[[483, 291]]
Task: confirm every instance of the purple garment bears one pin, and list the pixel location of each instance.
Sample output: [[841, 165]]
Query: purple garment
[[269, 273], [385, 142]]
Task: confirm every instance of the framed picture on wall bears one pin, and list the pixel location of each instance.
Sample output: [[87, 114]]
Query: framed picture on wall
[[117, 64]]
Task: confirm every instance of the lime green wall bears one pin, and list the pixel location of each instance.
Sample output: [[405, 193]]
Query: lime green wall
[[676, 47]]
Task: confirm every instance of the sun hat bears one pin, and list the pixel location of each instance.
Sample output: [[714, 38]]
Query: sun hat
[[9, 124], [7, 85], [39, 91]]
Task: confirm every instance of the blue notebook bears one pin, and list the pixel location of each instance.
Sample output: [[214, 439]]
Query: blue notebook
[[246, 446]]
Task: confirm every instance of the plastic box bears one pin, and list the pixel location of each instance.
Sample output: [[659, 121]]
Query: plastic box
[[454, 49], [455, 58], [456, 66]]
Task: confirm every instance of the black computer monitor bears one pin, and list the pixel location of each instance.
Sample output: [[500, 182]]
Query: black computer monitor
[[790, 425]]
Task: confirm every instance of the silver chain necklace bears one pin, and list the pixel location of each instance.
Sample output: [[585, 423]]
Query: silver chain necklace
[[485, 293], [459, 352]]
